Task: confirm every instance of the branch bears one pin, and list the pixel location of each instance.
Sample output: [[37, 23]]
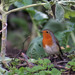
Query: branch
[[62, 62], [26, 59], [28, 6], [1, 9], [59, 66], [1, 1], [4, 36], [24, 7], [4, 27]]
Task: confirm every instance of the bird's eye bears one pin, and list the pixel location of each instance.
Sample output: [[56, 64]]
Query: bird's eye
[[47, 32]]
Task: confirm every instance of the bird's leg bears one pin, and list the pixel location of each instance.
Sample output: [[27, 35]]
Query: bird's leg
[[61, 57], [55, 58], [51, 57]]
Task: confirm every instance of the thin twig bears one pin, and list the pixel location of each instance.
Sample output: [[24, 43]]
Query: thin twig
[[59, 66], [26, 59], [22, 59], [25, 56], [24, 42], [62, 62], [24, 7], [20, 65]]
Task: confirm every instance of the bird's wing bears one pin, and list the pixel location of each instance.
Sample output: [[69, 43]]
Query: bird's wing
[[59, 46], [56, 41]]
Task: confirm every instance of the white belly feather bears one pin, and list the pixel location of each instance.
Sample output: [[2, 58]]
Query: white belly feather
[[52, 50]]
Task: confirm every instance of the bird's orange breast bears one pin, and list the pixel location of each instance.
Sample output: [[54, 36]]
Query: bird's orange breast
[[47, 40]]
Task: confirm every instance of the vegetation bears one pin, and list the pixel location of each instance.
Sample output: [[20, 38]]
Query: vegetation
[[58, 16]]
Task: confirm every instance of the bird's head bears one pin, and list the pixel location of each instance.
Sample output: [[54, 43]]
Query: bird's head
[[46, 34]]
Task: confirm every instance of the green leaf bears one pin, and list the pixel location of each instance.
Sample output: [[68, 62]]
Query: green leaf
[[35, 49], [22, 69], [28, 69], [55, 71], [54, 26], [40, 16], [48, 72], [47, 61], [18, 4], [72, 63], [45, 1], [72, 19], [7, 3], [47, 6], [37, 68], [73, 68], [27, 2], [50, 66], [23, 3], [36, 74], [68, 66], [2, 70], [40, 61], [69, 12], [59, 13], [42, 73]]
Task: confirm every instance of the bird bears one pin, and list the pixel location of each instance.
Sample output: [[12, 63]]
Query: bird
[[51, 44]]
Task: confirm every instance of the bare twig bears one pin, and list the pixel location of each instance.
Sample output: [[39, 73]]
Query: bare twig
[[20, 65], [24, 7], [26, 59], [25, 56], [59, 66], [62, 62], [24, 42], [22, 59]]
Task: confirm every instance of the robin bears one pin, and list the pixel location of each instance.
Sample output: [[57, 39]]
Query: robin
[[50, 44]]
